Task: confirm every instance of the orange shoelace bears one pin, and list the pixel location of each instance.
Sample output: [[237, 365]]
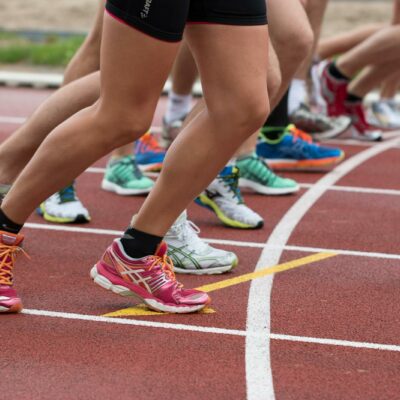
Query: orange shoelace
[[8, 255], [299, 134], [166, 265]]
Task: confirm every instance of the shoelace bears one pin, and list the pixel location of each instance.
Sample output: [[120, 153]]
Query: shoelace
[[7, 256], [167, 267], [131, 167], [299, 134], [231, 181], [67, 194], [149, 143], [189, 232]]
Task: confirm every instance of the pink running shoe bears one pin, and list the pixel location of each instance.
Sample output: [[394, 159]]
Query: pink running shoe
[[361, 129], [9, 246], [150, 279], [334, 92]]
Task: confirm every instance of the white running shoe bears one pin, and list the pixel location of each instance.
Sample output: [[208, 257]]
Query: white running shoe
[[386, 114], [191, 255], [64, 207], [223, 197]]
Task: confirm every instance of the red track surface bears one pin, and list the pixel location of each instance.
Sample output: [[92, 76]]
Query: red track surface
[[351, 297]]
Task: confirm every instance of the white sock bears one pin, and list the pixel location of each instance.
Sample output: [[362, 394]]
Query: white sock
[[177, 106], [297, 95]]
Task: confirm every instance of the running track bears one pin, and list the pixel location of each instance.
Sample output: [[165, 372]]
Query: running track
[[325, 330]]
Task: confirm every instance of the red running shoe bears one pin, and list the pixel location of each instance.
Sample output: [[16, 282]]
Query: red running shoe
[[150, 279], [334, 92], [361, 129], [9, 247]]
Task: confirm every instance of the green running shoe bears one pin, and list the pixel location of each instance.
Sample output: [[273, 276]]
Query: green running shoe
[[256, 175], [125, 178]]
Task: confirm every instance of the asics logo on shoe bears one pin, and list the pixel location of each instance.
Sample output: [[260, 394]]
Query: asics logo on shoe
[[146, 9]]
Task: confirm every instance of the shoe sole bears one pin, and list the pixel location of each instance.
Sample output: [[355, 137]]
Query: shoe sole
[[304, 165], [79, 219], [364, 138], [259, 188], [113, 187], [153, 304], [207, 271], [204, 201], [14, 309]]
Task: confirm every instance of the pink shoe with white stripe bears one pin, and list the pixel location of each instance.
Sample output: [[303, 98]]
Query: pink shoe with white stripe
[[150, 279]]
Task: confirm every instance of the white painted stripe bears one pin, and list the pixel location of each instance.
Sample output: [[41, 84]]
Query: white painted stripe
[[210, 330], [116, 233], [258, 362], [355, 189], [336, 342]]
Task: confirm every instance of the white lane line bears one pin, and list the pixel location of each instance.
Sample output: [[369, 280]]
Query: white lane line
[[355, 189], [12, 120], [258, 361], [116, 233], [212, 330]]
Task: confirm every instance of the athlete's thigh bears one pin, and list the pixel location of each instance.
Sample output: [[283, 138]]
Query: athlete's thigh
[[139, 44], [230, 45]]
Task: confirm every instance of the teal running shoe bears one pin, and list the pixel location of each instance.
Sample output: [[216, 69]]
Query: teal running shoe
[[123, 177], [256, 175]]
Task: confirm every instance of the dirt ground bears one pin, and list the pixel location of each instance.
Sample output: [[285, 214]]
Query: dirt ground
[[76, 15]]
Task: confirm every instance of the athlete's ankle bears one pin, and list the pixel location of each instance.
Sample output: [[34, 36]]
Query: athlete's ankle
[[138, 244], [7, 225]]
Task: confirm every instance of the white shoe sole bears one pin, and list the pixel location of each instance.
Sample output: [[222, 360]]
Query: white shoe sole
[[112, 187], [103, 282], [205, 271], [374, 136], [257, 187]]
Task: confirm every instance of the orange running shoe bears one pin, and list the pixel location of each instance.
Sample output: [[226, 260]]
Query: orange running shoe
[[9, 247]]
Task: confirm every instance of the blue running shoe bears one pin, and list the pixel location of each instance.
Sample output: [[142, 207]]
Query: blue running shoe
[[295, 150], [149, 154]]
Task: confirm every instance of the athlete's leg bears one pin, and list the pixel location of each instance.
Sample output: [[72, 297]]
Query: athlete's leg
[[380, 48], [390, 86], [343, 42], [18, 149], [235, 90], [87, 59], [108, 124]]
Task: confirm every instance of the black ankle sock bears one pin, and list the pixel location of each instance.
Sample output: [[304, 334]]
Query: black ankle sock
[[7, 225], [336, 73], [352, 98], [138, 244]]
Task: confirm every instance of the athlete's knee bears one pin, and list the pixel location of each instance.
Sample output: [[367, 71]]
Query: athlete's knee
[[124, 125]]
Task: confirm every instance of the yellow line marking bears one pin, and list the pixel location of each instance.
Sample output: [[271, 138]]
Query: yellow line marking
[[266, 271], [141, 310]]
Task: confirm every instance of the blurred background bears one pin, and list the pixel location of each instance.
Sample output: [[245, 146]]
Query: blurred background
[[42, 35]]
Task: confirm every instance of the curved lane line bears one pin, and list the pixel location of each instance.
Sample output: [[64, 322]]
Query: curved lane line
[[258, 359]]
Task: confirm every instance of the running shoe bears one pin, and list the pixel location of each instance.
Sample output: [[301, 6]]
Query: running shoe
[[64, 207], [149, 279], [334, 92], [223, 197], [295, 150], [318, 125], [361, 129], [124, 177], [149, 154], [385, 114], [192, 255], [170, 131], [256, 175], [9, 247]]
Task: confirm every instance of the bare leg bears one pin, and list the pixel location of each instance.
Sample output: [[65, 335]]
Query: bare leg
[[109, 123], [18, 149], [380, 48], [390, 86], [343, 42], [232, 113]]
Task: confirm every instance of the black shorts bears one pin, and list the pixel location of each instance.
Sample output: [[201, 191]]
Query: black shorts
[[166, 19]]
